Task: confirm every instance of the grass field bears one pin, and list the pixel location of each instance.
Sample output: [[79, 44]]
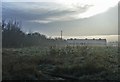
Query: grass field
[[51, 63]]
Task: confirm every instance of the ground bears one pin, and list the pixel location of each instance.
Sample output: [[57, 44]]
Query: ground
[[70, 62]]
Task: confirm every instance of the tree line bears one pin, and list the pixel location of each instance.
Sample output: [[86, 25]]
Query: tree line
[[13, 37]]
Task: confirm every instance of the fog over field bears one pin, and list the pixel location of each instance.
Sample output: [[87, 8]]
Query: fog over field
[[60, 40]]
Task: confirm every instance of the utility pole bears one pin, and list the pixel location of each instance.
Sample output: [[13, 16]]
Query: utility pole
[[61, 34]]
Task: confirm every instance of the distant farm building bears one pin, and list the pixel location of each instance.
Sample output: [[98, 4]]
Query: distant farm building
[[86, 42]]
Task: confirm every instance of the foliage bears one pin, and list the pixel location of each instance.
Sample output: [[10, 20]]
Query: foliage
[[83, 62], [14, 37]]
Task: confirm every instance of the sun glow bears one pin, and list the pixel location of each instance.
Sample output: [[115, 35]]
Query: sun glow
[[97, 6]]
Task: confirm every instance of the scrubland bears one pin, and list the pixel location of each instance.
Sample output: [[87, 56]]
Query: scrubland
[[61, 63]]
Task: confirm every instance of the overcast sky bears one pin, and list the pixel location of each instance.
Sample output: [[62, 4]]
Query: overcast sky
[[75, 18]]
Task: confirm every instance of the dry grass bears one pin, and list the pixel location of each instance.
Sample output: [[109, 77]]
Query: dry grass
[[93, 63]]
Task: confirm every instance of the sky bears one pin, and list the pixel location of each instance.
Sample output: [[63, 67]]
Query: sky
[[78, 18]]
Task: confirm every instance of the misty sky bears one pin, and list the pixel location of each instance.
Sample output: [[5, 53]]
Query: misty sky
[[75, 18]]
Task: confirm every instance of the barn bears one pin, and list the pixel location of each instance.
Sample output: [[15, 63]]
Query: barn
[[86, 42]]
